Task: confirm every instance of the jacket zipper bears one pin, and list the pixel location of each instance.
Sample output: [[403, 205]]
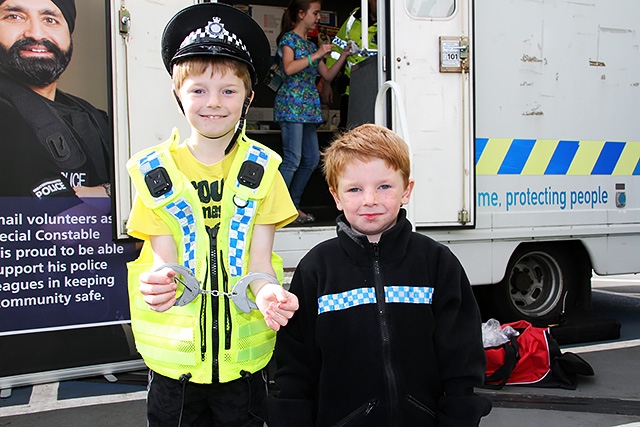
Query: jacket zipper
[[213, 235], [384, 331], [415, 402], [203, 327], [364, 410]]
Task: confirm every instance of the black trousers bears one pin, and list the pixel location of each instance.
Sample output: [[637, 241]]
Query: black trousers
[[172, 403]]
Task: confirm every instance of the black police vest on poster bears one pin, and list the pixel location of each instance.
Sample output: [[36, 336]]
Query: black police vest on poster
[[60, 269]]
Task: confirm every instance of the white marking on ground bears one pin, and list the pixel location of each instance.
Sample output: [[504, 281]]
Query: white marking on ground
[[44, 397], [603, 347]]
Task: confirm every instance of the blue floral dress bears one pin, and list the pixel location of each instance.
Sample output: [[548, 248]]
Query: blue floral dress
[[298, 100]]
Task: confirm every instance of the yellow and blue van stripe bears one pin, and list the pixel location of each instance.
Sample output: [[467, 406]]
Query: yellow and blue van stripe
[[507, 156]]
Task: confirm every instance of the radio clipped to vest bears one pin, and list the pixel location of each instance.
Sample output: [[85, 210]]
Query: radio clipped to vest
[[250, 175], [158, 181]]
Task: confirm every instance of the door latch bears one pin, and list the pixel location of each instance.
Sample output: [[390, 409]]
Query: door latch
[[454, 54]]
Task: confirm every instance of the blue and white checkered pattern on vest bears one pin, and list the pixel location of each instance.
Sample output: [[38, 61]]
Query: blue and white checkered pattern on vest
[[179, 209], [361, 296], [183, 212], [241, 219]]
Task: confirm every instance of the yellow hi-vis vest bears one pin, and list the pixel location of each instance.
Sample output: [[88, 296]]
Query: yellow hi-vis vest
[[209, 338], [352, 30]]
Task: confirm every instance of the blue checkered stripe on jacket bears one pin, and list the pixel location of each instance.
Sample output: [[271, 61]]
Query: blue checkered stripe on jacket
[[348, 299], [361, 296], [408, 294]]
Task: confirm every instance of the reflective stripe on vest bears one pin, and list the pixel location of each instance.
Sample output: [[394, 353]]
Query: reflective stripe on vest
[[342, 44], [177, 205], [241, 217]]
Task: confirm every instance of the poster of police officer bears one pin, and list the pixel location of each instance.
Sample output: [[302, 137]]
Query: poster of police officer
[[63, 290]]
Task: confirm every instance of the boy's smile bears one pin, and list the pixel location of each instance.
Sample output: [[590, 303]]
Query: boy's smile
[[370, 194], [213, 103]]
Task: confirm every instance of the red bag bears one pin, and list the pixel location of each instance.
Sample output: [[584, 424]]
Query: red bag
[[532, 358], [523, 360]]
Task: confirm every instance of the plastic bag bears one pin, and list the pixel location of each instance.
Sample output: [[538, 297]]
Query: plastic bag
[[493, 335]]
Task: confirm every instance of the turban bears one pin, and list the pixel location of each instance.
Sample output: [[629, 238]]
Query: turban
[[68, 9]]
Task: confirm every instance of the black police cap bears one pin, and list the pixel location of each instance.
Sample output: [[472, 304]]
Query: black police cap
[[220, 30]]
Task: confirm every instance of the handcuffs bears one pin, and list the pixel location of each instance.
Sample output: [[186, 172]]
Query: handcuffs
[[192, 287]]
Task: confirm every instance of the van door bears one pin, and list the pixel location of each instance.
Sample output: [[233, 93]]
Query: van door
[[428, 43], [141, 85]]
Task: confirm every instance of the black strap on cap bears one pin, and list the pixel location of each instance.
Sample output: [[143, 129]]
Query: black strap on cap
[[245, 108]]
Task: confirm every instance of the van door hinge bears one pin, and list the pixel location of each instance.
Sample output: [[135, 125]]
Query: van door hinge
[[125, 21], [463, 216]]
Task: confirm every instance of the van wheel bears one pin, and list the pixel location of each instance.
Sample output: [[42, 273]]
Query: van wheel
[[535, 286]]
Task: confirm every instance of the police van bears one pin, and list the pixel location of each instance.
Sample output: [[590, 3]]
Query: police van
[[522, 118]]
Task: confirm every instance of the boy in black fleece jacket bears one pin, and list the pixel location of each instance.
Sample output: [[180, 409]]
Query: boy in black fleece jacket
[[388, 332]]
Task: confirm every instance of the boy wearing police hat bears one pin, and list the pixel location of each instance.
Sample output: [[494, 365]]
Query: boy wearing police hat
[[207, 209]]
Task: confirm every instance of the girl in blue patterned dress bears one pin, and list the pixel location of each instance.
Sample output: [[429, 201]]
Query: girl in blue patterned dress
[[297, 102]]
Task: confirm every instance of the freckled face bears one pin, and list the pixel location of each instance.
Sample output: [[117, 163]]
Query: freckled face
[[370, 194]]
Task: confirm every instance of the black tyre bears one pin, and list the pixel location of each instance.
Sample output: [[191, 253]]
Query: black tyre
[[535, 286]]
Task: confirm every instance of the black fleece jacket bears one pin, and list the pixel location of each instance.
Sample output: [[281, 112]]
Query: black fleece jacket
[[395, 340]]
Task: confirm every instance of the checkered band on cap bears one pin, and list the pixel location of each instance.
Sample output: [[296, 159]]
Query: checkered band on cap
[[214, 31], [408, 294]]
